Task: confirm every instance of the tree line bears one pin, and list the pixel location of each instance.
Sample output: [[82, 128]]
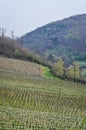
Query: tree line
[[72, 72]]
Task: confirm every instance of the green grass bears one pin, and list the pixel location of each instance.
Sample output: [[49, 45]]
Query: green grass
[[46, 72]]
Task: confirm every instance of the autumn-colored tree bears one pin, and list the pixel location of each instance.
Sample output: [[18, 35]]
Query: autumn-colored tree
[[73, 71], [76, 70], [70, 72], [59, 68]]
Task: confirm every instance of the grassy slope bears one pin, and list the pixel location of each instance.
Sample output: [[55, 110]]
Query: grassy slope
[[83, 67], [82, 64], [28, 99], [84, 72], [46, 72]]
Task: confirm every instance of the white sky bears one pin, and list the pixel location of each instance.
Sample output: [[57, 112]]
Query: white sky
[[22, 16]]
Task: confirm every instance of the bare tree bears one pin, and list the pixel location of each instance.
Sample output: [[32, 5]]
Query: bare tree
[[12, 35], [3, 31]]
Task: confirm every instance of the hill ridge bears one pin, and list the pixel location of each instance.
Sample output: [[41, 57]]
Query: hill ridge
[[65, 38]]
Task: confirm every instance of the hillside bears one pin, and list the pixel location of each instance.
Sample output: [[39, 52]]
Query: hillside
[[65, 38], [12, 49], [31, 96], [29, 100]]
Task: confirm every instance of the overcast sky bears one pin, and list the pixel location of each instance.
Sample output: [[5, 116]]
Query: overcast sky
[[22, 16]]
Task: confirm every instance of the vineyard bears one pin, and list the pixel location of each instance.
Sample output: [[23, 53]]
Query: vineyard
[[29, 100]]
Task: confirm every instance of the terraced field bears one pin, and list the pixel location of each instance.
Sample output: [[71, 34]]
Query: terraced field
[[29, 100]]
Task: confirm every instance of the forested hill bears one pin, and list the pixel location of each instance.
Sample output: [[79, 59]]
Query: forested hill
[[12, 49], [66, 38]]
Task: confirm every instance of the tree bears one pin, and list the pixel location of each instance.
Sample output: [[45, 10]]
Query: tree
[[59, 68], [12, 35], [73, 71], [3, 31], [70, 72], [76, 70]]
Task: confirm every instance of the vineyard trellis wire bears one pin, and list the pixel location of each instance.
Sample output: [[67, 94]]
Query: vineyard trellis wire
[[33, 102]]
